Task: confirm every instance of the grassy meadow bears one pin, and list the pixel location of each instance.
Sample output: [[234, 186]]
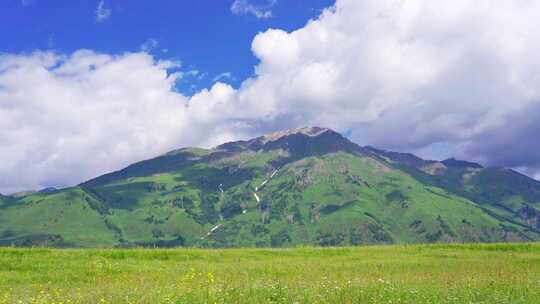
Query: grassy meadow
[[470, 273]]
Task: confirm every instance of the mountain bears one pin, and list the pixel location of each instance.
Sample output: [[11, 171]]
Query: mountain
[[48, 190], [22, 193], [299, 186]]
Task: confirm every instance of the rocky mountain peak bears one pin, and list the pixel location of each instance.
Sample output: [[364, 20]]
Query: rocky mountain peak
[[309, 131], [305, 138], [303, 142], [456, 163]]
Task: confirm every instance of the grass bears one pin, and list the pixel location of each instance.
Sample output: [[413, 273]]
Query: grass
[[469, 273]]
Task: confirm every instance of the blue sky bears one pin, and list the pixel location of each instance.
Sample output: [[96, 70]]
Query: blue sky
[[198, 33]]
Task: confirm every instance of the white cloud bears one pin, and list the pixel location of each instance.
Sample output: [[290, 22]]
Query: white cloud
[[68, 118], [192, 73], [102, 13], [65, 119], [223, 76], [406, 75], [244, 7], [149, 45]]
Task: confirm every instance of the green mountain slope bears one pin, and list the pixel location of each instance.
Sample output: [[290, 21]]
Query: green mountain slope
[[501, 192], [302, 186]]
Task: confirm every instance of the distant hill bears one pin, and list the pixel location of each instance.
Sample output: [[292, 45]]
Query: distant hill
[[299, 186]]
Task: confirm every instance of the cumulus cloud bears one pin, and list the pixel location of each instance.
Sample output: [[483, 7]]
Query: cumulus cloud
[[244, 7], [412, 75], [102, 12], [65, 119]]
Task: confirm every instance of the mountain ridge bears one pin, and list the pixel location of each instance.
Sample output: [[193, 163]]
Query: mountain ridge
[[303, 186]]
